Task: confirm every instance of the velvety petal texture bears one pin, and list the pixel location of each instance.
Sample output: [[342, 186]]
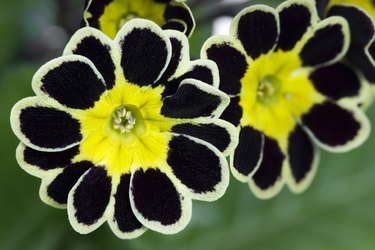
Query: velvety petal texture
[[136, 47], [257, 29], [73, 81], [333, 32], [249, 153], [290, 92], [126, 131], [90, 44], [35, 122], [56, 192], [158, 203], [193, 100], [124, 224], [296, 19], [88, 200]]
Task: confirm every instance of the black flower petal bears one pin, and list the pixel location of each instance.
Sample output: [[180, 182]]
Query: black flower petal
[[56, 192], [336, 81], [145, 52], [37, 163], [295, 20], [336, 128], [180, 57], [224, 53], [202, 70], [206, 177], [303, 159], [334, 32], [180, 11], [257, 28], [218, 133], [157, 203], [43, 127], [361, 25], [249, 153], [124, 222], [71, 80], [194, 99], [88, 200], [233, 113], [91, 44], [267, 180]]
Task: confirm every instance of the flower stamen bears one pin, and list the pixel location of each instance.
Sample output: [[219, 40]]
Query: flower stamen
[[123, 120], [268, 87]]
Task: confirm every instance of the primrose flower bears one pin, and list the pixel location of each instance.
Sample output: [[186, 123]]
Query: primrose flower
[[110, 15], [359, 59], [126, 131], [276, 67]]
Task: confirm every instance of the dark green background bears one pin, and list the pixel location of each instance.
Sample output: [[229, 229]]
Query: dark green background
[[336, 212]]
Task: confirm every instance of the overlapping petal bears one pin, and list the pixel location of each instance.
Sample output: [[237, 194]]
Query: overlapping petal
[[91, 44], [194, 99], [359, 15]]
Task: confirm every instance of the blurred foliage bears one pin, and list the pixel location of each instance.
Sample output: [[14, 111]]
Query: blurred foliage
[[337, 212]]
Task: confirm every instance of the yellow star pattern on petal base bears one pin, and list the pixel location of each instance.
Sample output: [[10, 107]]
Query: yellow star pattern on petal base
[[276, 91], [142, 145]]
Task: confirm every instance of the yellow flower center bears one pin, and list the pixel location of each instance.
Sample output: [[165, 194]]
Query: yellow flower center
[[118, 12], [127, 120], [276, 91], [125, 129]]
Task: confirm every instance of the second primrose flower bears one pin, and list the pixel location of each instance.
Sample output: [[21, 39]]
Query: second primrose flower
[[126, 131], [274, 67]]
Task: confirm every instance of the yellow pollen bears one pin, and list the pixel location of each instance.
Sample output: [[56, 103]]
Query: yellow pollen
[[265, 89], [123, 120], [268, 87]]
